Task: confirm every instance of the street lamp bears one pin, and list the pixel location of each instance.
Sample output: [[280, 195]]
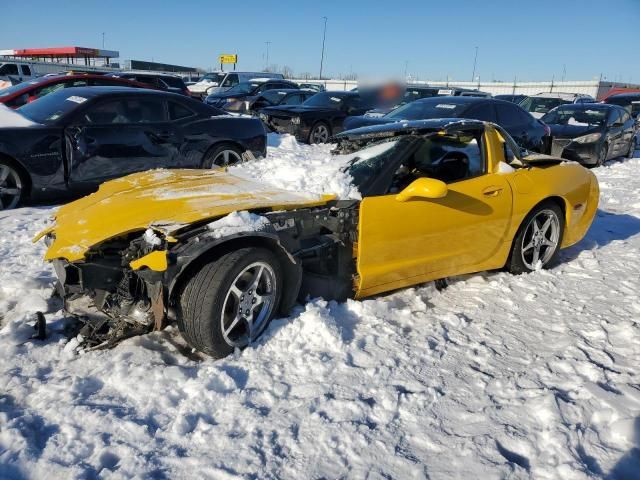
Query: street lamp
[[324, 36], [266, 67], [475, 60]]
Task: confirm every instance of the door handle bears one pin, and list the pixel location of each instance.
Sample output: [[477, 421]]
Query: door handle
[[160, 136], [492, 191]]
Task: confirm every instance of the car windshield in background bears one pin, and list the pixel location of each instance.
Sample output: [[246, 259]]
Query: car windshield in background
[[325, 100], [274, 96], [576, 116], [243, 87], [541, 104], [410, 95], [427, 109], [213, 77], [51, 107]]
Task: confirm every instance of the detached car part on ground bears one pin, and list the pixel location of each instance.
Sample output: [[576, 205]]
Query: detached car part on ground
[[221, 255], [68, 142]]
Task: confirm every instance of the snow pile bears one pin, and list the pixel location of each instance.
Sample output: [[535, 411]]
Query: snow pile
[[301, 168], [238, 222], [10, 118], [498, 376]]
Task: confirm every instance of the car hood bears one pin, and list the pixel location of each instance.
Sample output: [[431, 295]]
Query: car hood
[[164, 200], [573, 131]]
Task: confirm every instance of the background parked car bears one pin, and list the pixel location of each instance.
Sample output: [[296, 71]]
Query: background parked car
[[272, 98], [525, 129], [511, 98], [630, 101], [240, 98], [170, 83], [25, 92], [317, 119], [316, 87], [541, 103], [70, 141], [591, 133], [220, 81]]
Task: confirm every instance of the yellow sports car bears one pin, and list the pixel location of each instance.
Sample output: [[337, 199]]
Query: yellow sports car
[[221, 254]]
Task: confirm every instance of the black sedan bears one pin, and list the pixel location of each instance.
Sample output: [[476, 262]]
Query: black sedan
[[526, 130], [630, 101], [280, 97], [68, 142], [591, 133], [317, 119], [240, 98]]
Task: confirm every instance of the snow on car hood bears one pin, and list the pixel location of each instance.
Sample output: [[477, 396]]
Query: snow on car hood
[[12, 119], [165, 200]]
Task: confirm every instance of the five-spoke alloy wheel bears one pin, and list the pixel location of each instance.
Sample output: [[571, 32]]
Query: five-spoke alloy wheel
[[11, 187]]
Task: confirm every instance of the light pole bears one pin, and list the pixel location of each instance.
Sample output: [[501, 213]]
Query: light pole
[[324, 36], [103, 40], [266, 66], [406, 64], [475, 60]]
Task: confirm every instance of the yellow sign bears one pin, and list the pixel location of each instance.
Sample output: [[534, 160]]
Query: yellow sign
[[224, 58]]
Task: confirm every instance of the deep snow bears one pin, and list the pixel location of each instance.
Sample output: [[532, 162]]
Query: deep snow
[[498, 376]]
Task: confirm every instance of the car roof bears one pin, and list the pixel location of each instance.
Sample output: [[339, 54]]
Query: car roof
[[562, 95], [459, 100], [629, 95], [411, 127], [90, 92], [589, 106], [285, 90]]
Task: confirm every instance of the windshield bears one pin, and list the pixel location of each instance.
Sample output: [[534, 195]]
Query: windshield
[[414, 94], [243, 87], [541, 104], [575, 116], [325, 100], [366, 164], [213, 77], [436, 108], [51, 107]]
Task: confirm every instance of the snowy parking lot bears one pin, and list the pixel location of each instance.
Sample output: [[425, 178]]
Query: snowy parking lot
[[497, 376]]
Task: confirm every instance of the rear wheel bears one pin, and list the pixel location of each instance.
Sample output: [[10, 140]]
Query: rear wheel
[[12, 186], [538, 240], [223, 155], [320, 133], [229, 302]]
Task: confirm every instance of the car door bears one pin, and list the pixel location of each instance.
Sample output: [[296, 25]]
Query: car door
[[615, 134], [407, 242], [628, 131], [118, 136], [515, 123]]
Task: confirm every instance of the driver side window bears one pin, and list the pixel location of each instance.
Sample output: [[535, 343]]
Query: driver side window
[[449, 158]]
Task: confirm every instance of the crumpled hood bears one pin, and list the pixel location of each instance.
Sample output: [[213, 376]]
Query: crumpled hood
[[573, 131], [165, 200]]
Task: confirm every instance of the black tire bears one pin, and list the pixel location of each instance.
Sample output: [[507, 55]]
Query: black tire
[[13, 185], [516, 263], [202, 302], [222, 155], [632, 147], [314, 133], [602, 154]]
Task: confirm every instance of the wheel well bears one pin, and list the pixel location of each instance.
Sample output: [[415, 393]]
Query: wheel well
[[291, 270], [24, 175]]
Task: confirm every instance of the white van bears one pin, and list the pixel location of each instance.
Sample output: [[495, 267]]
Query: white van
[[14, 71], [220, 81]]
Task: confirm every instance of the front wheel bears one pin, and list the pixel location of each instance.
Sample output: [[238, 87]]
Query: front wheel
[[537, 243], [319, 133], [229, 302], [632, 147], [603, 150]]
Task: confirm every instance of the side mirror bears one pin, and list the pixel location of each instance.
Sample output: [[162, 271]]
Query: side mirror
[[423, 188]]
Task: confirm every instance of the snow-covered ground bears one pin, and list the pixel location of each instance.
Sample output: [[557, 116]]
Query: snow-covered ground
[[498, 376]]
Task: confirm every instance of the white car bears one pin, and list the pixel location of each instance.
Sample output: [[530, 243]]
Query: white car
[[539, 104], [220, 81]]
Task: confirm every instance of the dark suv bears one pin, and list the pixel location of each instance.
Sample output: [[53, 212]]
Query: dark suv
[[240, 97], [161, 81]]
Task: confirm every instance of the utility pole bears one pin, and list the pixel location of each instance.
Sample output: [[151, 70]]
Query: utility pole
[[103, 40], [475, 60], [266, 66], [406, 64], [324, 36], [564, 71]]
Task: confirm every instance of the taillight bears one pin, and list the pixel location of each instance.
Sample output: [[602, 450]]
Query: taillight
[[186, 92], [547, 129]]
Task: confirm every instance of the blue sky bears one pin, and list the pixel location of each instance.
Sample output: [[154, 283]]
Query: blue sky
[[530, 40]]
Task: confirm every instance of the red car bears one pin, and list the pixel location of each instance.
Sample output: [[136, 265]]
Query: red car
[[26, 92]]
